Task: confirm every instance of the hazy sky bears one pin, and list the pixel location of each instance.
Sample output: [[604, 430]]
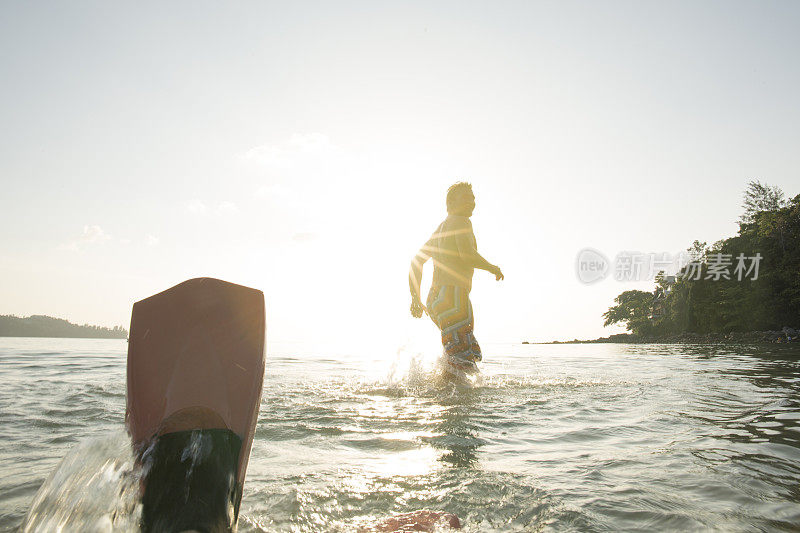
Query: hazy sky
[[305, 148]]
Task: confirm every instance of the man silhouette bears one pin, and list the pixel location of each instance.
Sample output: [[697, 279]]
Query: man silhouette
[[455, 257]]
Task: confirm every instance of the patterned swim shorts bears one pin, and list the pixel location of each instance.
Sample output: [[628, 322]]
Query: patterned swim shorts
[[451, 311]]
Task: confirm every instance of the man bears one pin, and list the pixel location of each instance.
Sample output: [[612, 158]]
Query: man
[[455, 256]]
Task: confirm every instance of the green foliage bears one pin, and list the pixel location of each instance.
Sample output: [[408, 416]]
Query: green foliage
[[760, 197], [698, 251], [633, 309], [770, 226], [47, 326]]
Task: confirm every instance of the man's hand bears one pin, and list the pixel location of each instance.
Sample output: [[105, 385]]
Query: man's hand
[[416, 308], [498, 275]]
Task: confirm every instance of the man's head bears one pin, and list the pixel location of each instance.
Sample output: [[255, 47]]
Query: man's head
[[460, 200]]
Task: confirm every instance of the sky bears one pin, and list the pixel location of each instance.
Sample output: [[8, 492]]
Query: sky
[[305, 149]]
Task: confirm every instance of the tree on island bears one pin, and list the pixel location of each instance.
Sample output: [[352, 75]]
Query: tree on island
[[759, 198], [769, 226], [633, 309]]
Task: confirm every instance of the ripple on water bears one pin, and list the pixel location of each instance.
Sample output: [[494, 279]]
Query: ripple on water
[[561, 438]]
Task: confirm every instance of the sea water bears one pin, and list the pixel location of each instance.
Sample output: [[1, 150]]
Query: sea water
[[556, 437]]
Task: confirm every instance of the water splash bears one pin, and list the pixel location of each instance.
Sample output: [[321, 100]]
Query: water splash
[[94, 489], [417, 374]]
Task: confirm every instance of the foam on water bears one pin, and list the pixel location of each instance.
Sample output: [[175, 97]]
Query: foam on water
[[94, 489]]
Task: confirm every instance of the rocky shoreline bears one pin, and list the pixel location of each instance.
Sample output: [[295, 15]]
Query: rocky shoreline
[[784, 335]]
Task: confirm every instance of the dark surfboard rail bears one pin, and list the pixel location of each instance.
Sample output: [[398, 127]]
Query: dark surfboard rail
[[195, 372]]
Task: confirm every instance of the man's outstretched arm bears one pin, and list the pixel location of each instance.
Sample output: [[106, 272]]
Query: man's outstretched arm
[[465, 241]]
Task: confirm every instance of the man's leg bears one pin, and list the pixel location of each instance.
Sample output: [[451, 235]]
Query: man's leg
[[451, 311]]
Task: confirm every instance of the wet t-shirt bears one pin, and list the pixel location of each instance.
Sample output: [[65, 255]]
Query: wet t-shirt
[[452, 247]]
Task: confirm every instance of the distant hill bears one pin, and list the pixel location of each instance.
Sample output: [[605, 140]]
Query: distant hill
[[47, 326]]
